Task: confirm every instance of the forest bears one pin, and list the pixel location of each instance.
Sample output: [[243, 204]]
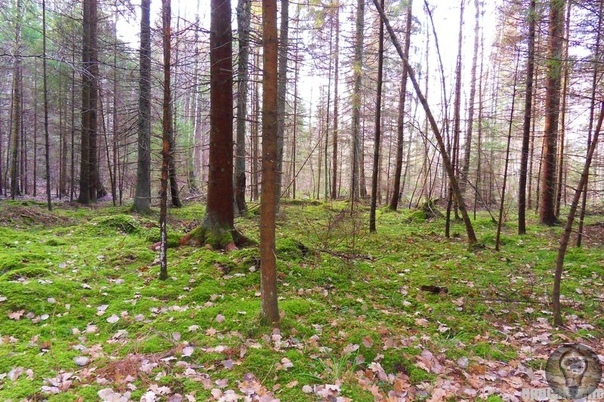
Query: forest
[[324, 200]]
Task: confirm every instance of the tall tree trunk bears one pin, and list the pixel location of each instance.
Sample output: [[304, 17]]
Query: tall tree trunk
[[167, 128], [90, 181], [465, 167], [555, 56], [526, 127], [17, 105], [270, 126], [243, 24], [561, 159], [46, 133], [142, 198], [472, 240], [219, 208], [400, 130], [335, 139], [378, 127], [456, 120], [357, 68], [282, 91], [507, 158]]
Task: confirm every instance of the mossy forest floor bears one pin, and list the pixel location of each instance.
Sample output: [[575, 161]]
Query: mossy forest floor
[[83, 316]]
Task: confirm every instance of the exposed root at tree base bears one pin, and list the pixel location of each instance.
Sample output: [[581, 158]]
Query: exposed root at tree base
[[216, 238]]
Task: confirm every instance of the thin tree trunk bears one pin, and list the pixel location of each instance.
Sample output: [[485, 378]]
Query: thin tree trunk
[[396, 191], [46, 133], [16, 108], [465, 167], [378, 127], [357, 67], [166, 132], [282, 92], [564, 240], [335, 139], [243, 24], [592, 106], [472, 240], [526, 127], [561, 158], [507, 158]]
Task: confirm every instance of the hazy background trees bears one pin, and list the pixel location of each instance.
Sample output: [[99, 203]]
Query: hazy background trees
[[328, 113]]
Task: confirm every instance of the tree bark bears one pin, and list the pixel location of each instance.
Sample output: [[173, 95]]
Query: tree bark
[[91, 187], [378, 127], [243, 24], [219, 209], [142, 198], [268, 206], [17, 102], [335, 139], [357, 67], [166, 133], [526, 126], [400, 131], [282, 91], [547, 214]]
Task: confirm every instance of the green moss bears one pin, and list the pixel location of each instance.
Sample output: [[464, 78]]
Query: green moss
[[25, 273]]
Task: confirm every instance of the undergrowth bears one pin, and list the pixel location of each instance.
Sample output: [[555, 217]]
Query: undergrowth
[[82, 309]]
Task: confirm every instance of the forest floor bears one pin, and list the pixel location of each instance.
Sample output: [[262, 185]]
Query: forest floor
[[365, 316]]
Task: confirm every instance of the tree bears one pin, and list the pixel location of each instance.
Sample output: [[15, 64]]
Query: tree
[[217, 228], [526, 126], [564, 240], [167, 128], [17, 100], [142, 198], [378, 128], [282, 90], [401, 115], [91, 187], [472, 240], [552, 109], [357, 68], [244, 14], [269, 197], [336, 61], [46, 133]]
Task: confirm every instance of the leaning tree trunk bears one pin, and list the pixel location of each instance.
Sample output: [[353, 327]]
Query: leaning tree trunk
[[557, 308], [472, 240]]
